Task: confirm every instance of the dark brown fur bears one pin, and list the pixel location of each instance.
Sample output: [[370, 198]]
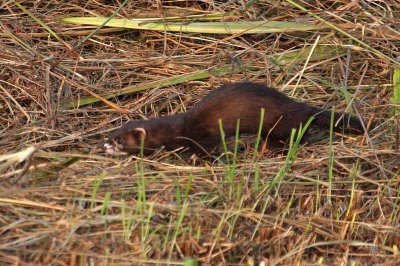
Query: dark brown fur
[[198, 128]]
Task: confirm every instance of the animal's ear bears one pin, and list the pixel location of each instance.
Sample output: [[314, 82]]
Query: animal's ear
[[139, 133]]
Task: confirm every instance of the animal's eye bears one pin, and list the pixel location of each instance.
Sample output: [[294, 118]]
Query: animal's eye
[[119, 141]]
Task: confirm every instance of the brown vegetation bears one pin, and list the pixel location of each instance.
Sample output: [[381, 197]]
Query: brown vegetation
[[63, 201]]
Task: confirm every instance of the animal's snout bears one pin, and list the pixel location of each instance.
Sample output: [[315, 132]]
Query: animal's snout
[[110, 149]]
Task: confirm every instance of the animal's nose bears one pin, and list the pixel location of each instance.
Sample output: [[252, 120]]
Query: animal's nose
[[110, 149]]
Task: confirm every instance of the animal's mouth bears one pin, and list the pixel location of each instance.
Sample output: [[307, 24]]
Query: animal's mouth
[[113, 149]]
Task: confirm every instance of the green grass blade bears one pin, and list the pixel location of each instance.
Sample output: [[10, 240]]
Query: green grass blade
[[96, 186], [237, 27], [331, 157], [106, 203], [309, 54], [223, 141], [190, 262], [258, 138], [396, 92], [321, 52], [154, 84], [41, 23]]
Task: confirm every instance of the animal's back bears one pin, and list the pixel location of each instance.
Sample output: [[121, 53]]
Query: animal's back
[[243, 101]]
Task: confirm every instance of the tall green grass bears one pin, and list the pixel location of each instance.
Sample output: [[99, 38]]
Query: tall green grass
[[294, 145], [96, 186], [127, 221], [231, 163]]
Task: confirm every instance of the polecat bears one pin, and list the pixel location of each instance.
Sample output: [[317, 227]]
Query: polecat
[[198, 129]]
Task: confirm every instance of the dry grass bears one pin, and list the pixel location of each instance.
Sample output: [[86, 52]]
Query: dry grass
[[64, 202]]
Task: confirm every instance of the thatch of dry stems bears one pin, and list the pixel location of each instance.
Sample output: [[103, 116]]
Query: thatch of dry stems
[[63, 201]]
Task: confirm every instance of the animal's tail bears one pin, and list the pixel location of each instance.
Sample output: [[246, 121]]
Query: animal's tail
[[347, 124]]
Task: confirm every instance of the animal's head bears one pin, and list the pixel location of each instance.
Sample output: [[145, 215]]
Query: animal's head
[[126, 139]]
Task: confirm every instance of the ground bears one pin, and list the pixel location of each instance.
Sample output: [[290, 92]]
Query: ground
[[64, 201]]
